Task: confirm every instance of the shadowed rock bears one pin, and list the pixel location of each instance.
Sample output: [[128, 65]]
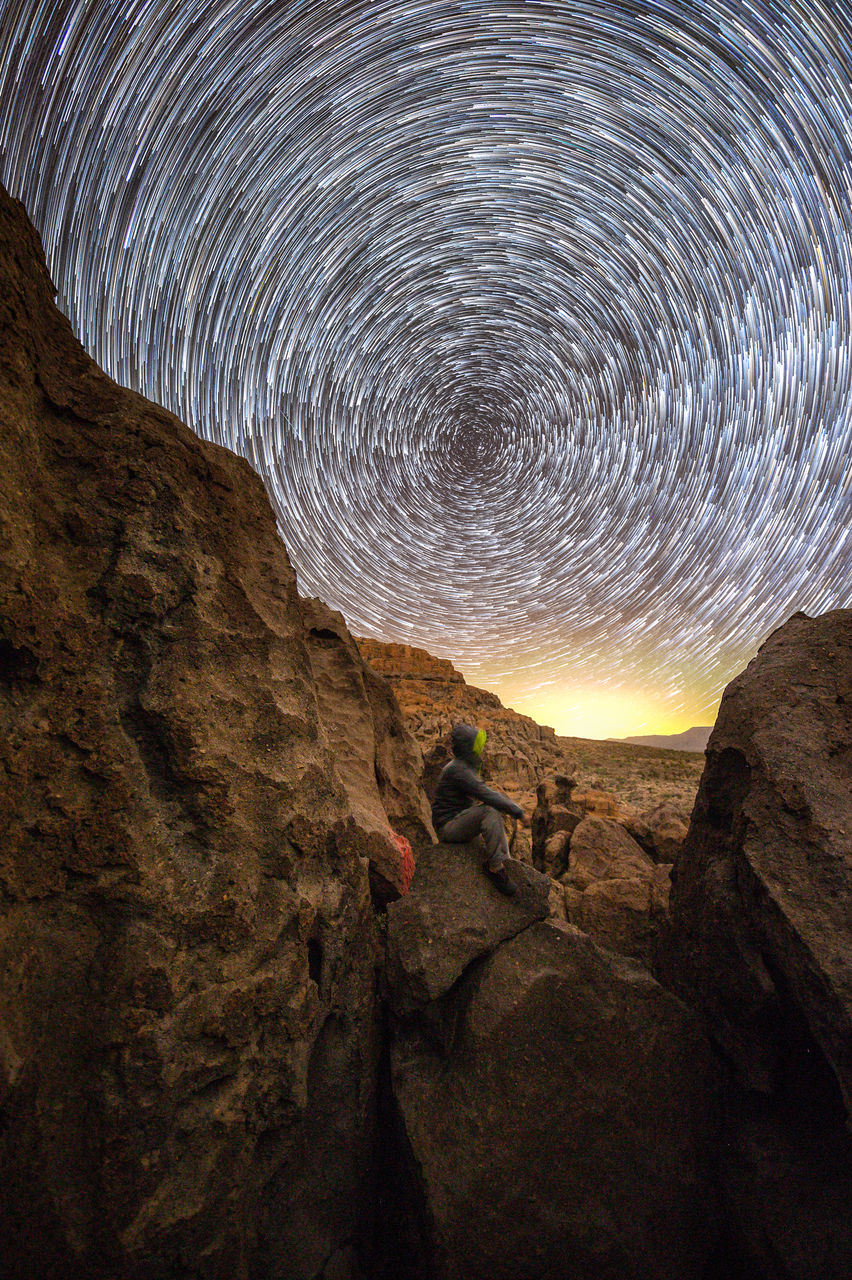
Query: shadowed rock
[[452, 914], [762, 898], [762, 938], [566, 1128], [661, 831]]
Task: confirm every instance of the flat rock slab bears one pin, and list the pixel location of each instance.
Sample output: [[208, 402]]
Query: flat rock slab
[[452, 914]]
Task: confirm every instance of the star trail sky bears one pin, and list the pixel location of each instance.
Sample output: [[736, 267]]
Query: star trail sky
[[534, 317]]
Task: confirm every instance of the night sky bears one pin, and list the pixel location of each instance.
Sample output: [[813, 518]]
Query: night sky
[[534, 317]]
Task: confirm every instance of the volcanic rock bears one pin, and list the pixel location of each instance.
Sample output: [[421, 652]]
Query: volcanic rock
[[762, 939], [567, 1128], [433, 696], [452, 914], [613, 890], [187, 946], [375, 756], [602, 850], [762, 899]]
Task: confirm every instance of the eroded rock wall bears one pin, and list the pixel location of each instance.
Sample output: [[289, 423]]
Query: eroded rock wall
[[187, 946]]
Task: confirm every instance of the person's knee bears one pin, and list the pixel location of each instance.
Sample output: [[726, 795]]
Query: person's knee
[[492, 819]]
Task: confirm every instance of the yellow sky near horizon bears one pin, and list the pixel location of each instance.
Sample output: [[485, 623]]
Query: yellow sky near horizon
[[589, 711]]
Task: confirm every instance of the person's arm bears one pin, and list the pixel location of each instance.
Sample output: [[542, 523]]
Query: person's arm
[[477, 788]]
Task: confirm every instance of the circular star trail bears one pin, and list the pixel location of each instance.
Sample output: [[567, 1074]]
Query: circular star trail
[[534, 317]]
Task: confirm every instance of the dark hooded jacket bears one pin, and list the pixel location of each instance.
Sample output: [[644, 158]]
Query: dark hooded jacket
[[460, 784]]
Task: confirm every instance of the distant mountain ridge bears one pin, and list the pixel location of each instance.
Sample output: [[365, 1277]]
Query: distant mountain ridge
[[694, 739]]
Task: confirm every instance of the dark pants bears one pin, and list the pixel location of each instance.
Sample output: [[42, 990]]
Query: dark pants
[[469, 823]]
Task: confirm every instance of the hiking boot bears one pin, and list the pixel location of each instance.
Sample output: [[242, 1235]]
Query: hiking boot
[[502, 881]]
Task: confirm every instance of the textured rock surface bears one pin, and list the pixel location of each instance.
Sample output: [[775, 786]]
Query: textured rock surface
[[762, 899], [601, 849], [566, 1127], [613, 890], [762, 938], [375, 756], [661, 831], [434, 696], [452, 914], [623, 914], [187, 948]]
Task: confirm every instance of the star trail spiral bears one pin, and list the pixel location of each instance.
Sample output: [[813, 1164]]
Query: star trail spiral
[[533, 316]]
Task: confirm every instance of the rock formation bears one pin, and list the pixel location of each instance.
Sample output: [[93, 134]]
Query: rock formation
[[661, 831], [613, 890], [762, 939], [615, 780], [188, 1022], [433, 696], [451, 916], [559, 1110]]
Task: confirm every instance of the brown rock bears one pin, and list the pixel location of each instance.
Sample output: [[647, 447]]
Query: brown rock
[[602, 803], [556, 906], [762, 938], [187, 947], [376, 758], [452, 914], [622, 914], [556, 852], [602, 850], [613, 889], [661, 831], [568, 1130], [434, 696], [762, 900]]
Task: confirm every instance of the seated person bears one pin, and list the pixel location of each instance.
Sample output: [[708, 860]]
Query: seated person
[[456, 819]]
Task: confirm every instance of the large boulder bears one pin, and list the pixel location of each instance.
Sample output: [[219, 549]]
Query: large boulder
[[567, 1125], [625, 914], [762, 939], [613, 890], [187, 945], [452, 914], [762, 898]]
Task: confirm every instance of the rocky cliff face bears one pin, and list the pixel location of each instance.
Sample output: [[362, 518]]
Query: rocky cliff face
[[197, 766], [615, 779]]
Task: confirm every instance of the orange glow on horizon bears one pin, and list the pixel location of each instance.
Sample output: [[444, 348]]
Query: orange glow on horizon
[[597, 712]]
